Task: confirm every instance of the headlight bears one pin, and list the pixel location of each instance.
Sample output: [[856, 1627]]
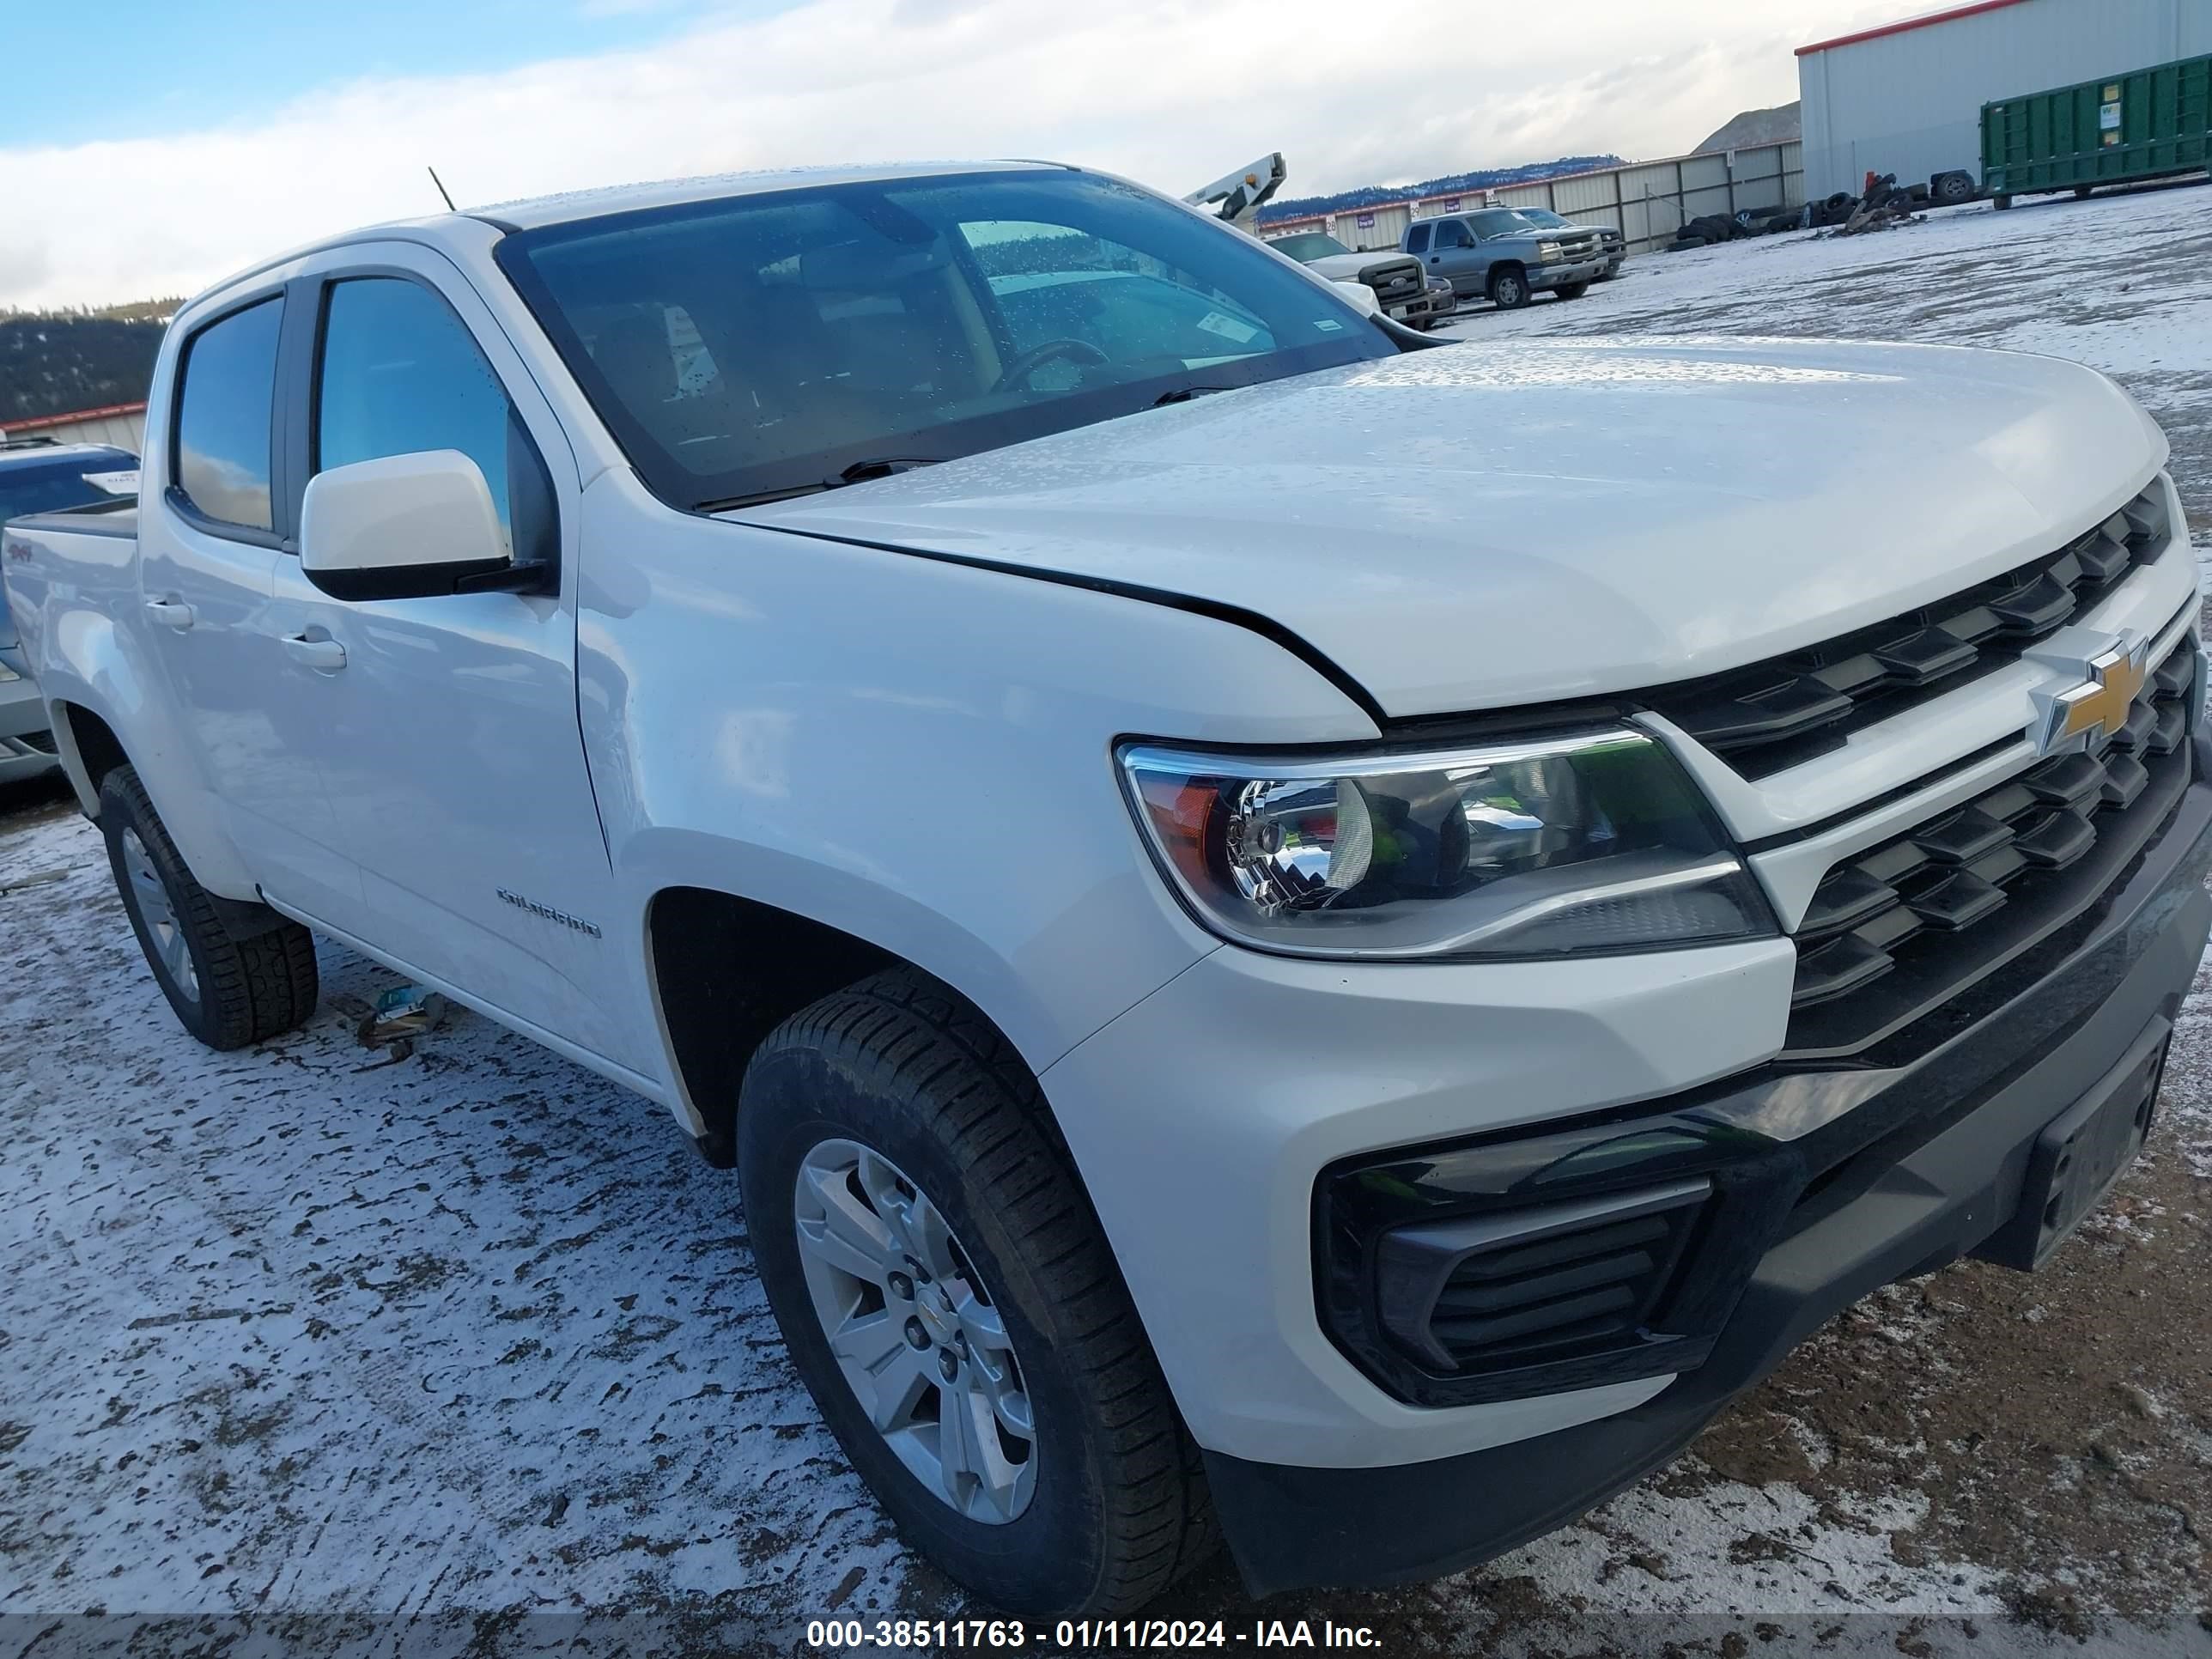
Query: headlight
[[1548, 253], [1592, 841]]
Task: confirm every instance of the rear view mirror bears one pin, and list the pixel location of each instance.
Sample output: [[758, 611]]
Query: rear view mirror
[[407, 526]]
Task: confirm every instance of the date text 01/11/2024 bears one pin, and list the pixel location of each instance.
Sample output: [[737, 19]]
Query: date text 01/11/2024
[[1082, 1635]]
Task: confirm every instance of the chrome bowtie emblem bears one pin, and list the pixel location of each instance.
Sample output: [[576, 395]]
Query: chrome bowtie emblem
[[2085, 716]]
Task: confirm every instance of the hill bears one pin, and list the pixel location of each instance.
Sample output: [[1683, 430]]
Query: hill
[[1779, 126], [58, 364]]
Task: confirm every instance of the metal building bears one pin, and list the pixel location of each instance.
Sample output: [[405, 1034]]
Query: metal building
[[1907, 98], [1646, 201], [123, 425]]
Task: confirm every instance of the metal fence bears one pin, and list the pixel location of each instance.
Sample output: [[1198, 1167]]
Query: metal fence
[[1646, 201]]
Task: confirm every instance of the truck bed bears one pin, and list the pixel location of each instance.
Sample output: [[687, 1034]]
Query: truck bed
[[115, 517]]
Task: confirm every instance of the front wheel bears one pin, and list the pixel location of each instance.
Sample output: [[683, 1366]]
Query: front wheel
[[952, 1305], [1508, 289], [227, 991]]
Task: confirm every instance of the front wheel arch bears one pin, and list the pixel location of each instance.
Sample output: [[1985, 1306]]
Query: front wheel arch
[[727, 970]]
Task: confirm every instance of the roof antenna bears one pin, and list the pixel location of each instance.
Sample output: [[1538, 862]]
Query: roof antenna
[[440, 184]]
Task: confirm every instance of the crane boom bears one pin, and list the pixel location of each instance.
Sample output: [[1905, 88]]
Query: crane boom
[[1236, 197]]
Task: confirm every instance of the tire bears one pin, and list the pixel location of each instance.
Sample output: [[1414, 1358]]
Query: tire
[[1509, 288], [1951, 189], [227, 991], [899, 1069], [1572, 291]]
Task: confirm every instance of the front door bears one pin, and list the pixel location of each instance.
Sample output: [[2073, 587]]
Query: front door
[[1453, 256], [452, 749]]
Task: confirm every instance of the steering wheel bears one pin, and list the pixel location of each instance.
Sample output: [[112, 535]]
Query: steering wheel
[[1037, 356]]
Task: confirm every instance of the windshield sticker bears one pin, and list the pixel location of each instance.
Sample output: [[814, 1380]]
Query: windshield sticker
[[1328, 325], [115, 484], [1227, 327]]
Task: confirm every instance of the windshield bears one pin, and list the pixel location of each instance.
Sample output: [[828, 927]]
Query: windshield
[[1496, 222], [1309, 245], [762, 346], [79, 481], [1543, 217]]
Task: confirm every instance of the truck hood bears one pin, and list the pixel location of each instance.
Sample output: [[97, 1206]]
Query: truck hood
[[1485, 525], [1351, 267]]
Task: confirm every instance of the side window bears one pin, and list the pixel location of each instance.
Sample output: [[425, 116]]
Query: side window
[[225, 399], [1452, 234], [400, 373], [1417, 240]]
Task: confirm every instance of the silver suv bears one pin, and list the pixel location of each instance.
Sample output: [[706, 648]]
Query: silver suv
[[1494, 253]]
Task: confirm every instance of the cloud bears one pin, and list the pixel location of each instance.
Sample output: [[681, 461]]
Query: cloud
[[1172, 93]]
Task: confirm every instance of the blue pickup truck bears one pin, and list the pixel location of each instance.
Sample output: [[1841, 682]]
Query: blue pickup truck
[[38, 475], [1496, 254]]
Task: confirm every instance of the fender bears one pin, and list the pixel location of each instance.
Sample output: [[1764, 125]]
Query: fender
[[84, 660], [752, 729]]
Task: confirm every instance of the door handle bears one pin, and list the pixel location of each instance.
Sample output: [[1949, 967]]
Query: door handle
[[327, 655], [171, 613]]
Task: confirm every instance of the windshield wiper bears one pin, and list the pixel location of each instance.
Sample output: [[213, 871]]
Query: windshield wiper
[[859, 472], [1184, 394], [879, 467]]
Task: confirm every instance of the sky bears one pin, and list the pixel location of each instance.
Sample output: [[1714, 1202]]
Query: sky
[[176, 141]]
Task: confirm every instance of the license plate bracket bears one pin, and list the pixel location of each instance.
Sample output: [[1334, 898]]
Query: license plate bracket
[[2081, 1154]]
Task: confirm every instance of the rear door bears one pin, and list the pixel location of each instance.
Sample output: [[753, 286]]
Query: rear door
[[209, 548], [452, 749]]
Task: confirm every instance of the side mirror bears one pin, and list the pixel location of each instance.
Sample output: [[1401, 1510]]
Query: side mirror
[[407, 527]]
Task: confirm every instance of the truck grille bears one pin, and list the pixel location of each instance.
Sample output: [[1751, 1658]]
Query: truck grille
[[1786, 710], [1574, 247], [1393, 284], [1953, 897]]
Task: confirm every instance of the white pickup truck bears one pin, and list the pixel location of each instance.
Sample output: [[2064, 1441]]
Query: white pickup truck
[[1261, 978]]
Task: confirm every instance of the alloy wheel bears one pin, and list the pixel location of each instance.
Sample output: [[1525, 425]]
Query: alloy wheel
[[159, 913], [914, 1332]]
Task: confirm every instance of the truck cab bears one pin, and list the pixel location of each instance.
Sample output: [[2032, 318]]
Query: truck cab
[[1495, 254]]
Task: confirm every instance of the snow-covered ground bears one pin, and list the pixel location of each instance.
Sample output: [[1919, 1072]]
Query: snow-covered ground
[[2117, 282], [323, 1347]]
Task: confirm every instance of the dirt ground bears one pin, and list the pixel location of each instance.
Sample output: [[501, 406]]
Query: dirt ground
[[333, 1348]]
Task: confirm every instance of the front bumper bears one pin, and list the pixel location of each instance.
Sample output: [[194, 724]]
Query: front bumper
[[1420, 308], [1926, 1164], [1582, 270]]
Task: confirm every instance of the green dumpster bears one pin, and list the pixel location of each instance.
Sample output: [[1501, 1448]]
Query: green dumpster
[[2146, 123]]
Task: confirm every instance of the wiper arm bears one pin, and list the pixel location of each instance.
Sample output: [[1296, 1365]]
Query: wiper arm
[[858, 472], [878, 467], [1184, 394]]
